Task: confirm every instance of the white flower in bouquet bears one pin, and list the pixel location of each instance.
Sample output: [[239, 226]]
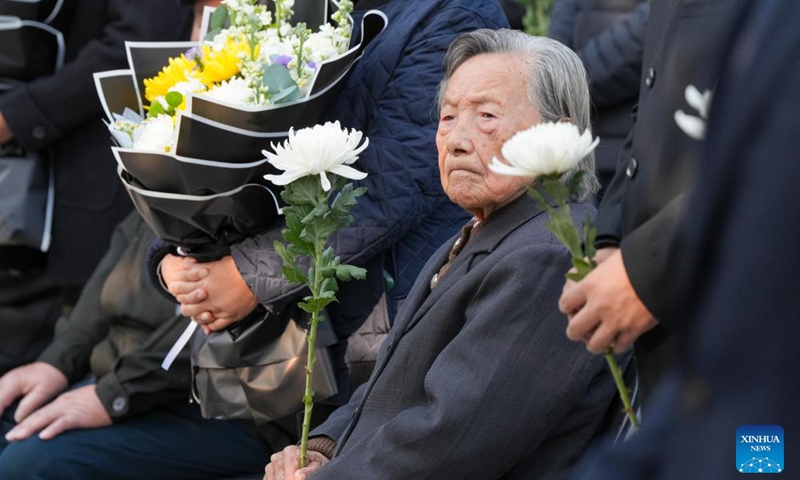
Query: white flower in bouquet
[[155, 134], [316, 151], [319, 47], [235, 91], [544, 149]]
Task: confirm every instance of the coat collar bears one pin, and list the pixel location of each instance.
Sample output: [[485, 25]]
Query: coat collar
[[501, 224]]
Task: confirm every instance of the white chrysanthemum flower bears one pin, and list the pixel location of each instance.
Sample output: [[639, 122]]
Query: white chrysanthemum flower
[[193, 85], [235, 91], [155, 134], [544, 149], [317, 151], [691, 125]]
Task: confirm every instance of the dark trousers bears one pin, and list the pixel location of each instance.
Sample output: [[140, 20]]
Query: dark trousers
[[171, 443]]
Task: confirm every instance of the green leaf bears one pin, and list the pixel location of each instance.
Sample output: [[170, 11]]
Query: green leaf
[[293, 274], [156, 109], [347, 272], [302, 191], [174, 99], [312, 305], [329, 286], [277, 79], [327, 272], [219, 19], [317, 212], [286, 95]]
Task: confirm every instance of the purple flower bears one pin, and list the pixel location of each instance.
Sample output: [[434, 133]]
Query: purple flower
[[282, 60], [193, 53], [312, 66]]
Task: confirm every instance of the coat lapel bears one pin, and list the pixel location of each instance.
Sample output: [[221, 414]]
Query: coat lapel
[[499, 226]]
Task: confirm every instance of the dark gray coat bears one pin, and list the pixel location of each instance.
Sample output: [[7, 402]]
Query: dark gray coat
[[477, 379]]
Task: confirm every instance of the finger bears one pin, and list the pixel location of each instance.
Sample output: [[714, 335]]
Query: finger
[[188, 262], [291, 461], [582, 324], [193, 274], [205, 317], [179, 287], [192, 297], [308, 470], [601, 339], [269, 472], [59, 425], [220, 324], [624, 341], [573, 298], [35, 422], [206, 329], [195, 311], [276, 460], [10, 390], [29, 404]]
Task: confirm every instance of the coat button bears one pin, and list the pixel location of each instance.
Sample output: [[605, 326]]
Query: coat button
[[119, 404], [434, 280], [39, 133], [633, 167], [651, 78]]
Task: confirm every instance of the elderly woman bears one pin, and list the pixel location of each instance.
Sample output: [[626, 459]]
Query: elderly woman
[[477, 379]]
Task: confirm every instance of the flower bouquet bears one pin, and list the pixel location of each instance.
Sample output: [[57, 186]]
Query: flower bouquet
[[189, 119]]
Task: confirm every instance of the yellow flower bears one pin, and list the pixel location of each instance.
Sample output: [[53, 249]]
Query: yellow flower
[[222, 65], [179, 70]]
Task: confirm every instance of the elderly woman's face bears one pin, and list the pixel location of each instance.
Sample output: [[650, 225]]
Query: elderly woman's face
[[486, 102]]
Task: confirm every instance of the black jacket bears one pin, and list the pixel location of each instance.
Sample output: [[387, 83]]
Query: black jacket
[[644, 201], [120, 331], [61, 115], [608, 35]]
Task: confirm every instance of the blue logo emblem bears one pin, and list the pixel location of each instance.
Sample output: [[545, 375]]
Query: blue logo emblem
[[759, 449]]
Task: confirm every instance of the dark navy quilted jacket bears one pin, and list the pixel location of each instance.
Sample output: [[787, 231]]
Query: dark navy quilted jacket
[[404, 215]]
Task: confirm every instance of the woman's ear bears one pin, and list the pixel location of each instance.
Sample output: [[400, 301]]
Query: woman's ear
[[564, 120]]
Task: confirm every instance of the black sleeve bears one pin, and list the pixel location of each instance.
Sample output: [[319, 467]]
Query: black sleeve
[[562, 21], [45, 109], [614, 58], [138, 384]]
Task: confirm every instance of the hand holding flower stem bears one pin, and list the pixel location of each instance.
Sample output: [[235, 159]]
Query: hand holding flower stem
[[545, 152]]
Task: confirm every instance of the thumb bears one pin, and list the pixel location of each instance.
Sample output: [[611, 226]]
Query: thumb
[[30, 403]]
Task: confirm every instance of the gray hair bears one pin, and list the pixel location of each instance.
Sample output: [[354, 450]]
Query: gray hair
[[558, 86]]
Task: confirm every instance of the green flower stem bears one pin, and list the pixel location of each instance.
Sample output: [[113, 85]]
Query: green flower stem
[[621, 388], [316, 287], [308, 395]]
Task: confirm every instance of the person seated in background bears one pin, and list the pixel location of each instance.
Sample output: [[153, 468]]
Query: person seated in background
[[133, 420], [57, 424], [476, 378], [400, 221]]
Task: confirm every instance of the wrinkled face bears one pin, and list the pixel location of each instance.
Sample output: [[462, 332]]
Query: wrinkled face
[[485, 104]]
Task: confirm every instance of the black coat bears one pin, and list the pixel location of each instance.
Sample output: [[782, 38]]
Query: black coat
[[645, 201], [656, 168], [739, 254], [608, 36], [61, 115]]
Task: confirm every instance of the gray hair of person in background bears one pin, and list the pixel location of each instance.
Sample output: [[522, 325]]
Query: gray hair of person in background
[[558, 85]]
